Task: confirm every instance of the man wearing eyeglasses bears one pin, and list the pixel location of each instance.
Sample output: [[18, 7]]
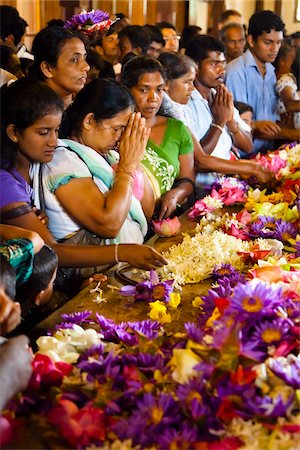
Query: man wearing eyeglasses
[[170, 36], [233, 37]]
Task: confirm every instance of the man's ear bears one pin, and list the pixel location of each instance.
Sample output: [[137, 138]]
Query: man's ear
[[8, 40], [99, 50], [250, 40], [37, 299]]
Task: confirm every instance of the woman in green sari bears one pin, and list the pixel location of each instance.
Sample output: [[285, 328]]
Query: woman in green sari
[[169, 157]]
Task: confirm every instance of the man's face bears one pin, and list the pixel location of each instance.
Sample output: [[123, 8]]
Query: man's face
[[235, 42], [110, 45], [125, 47], [171, 40], [211, 71], [154, 49], [266, 46]]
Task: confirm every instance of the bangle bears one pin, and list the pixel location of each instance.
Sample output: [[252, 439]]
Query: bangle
[[130, 173], [217, 126], [116, 254], [236, 131]]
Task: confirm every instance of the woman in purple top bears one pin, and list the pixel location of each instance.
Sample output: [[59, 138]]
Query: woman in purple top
[[30, 121]]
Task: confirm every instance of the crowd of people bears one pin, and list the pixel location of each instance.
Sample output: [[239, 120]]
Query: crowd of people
[[101, 134]]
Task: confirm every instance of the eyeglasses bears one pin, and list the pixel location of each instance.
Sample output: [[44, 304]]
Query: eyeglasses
[[172, 38]]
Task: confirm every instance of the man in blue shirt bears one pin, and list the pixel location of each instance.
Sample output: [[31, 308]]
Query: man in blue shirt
[[251, 77]]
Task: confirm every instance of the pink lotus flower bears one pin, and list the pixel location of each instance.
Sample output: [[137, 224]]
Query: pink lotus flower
[[229, 194], [80, 427], [46, 371], [166, 227], [200, 208], [244, 217], [239, 233]]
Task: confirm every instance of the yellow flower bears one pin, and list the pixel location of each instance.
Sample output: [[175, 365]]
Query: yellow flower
[[215, 315], [197, 302], [183, 362], [158, 311], [175, 299]]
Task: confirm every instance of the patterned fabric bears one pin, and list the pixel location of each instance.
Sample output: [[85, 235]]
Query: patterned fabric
[[20, 254], [81, 162], [288, 80], [161, 162]]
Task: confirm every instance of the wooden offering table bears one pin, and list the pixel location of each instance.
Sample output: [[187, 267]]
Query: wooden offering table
[[119, 308]]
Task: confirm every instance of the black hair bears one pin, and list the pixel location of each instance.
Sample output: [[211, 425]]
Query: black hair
[[22, 103], [243, 107], [264, 22], [176, 65], [188, 33], [47, 46], [137, 37], [121, 16], [6, 53], [55, 23], [93, 59], [103, 97], [227, 13], [162, 25], [284, 50], [199, 47], [230, 26], [154, 34], [7, 277], [44, 264], [139, 65], [296, 67], [11, 23]]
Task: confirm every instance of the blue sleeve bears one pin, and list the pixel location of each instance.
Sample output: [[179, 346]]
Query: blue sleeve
[[236, 82]]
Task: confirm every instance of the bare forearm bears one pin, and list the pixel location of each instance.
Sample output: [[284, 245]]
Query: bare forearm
[[211, 139]]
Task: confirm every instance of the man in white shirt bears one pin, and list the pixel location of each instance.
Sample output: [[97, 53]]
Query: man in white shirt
[[218, 125]]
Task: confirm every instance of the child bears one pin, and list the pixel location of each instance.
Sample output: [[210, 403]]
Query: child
[[39, 288], [246, 112]]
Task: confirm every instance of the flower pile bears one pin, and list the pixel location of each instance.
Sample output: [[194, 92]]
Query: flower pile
[[91, 23], [231, 380]]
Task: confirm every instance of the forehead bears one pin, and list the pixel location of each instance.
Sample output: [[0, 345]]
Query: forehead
[[151, 78], [234, 33], [110, 38], [272, 36], [73, 45], [215, 56], [168, 32]]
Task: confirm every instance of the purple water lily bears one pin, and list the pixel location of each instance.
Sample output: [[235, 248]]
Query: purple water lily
[[86, 19], [77, 317], [267, 407], [271, 332], [148, 328], [288, 369], [254, 298], [194, 332], [182, 439], [151, 290], [285, 231]]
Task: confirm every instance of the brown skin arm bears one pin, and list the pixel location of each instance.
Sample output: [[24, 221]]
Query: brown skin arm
[[10, 232], [140, 256], [204, 162], [100, 214], [290, 103], [168, 202]]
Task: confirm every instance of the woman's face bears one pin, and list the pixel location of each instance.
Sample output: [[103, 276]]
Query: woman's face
[[103, 136], [70, 74], [37, 143], [180, 90], [148, 94]]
